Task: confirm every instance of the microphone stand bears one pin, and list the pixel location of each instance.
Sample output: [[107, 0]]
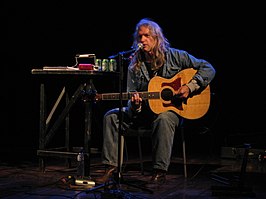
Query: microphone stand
[[118, 176], [121, 78]]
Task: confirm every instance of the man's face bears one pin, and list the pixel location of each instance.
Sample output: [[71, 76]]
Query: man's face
[[146, 39]]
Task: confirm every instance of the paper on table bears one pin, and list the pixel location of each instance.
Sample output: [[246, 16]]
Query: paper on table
[[59, 68]]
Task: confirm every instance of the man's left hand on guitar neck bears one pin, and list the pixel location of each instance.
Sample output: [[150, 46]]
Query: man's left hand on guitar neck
[[136, 102]]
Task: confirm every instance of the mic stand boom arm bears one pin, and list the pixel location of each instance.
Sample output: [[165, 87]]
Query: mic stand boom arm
[[121, 54], [132, 52]]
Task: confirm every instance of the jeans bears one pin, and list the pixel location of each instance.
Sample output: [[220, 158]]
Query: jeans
[[163, 130]]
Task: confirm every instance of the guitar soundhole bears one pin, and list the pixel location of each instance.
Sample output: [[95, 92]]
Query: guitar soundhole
[[167, 94]]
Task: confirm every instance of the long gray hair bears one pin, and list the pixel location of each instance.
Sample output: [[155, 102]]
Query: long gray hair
[[161, 44]]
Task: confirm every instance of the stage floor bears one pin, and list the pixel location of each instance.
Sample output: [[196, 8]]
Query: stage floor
[[207, 178]]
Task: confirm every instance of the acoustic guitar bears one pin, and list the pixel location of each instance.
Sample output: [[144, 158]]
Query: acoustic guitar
[[161, 96]]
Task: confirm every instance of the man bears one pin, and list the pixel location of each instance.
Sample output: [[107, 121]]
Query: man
[[153, 57]]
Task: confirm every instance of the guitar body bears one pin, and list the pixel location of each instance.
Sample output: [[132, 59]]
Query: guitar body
[[195, 106], [161, 96]]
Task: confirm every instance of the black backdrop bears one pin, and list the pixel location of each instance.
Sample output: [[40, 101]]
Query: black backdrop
[[231, 37]]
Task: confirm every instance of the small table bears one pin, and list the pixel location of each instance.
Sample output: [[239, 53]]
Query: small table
[[84, 84]]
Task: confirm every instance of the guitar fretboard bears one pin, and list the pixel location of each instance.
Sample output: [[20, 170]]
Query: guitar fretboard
[[126, 96]]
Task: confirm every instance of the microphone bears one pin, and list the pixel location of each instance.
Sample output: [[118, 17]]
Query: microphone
[[140, 46]]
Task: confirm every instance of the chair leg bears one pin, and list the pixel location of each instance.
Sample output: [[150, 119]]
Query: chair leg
[[122, 144], [124, 147], [184, 151], [140, 155]]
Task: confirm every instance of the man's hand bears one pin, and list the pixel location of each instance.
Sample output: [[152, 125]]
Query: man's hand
[[183, 92], [136, 102]]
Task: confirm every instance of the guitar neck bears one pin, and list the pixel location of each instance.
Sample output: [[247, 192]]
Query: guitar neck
[[128, 95]]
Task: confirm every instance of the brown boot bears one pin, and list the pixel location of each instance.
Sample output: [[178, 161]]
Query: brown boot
[[157, 180], [108, 173], [158, 177]]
